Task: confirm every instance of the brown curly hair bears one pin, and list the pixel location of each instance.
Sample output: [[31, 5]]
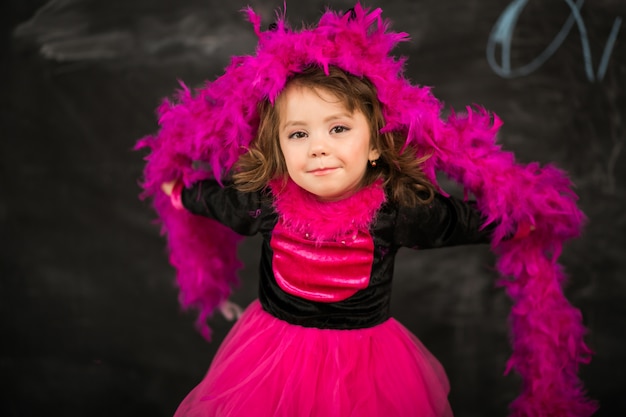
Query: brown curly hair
[[398, 165]]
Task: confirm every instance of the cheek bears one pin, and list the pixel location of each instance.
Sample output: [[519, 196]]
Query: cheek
[[289, 156]]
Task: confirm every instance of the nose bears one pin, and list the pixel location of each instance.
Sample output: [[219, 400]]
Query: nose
[[318, 146]]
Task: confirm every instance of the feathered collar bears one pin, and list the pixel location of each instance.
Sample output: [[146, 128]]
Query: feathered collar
[[321, 221]]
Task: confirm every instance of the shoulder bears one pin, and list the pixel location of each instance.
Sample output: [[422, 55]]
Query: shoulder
[[244, 212]]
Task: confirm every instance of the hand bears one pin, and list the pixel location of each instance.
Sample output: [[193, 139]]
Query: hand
[[230, 310], [167, 187]]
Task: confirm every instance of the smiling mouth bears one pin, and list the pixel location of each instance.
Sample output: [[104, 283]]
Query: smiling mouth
[[322, 171]]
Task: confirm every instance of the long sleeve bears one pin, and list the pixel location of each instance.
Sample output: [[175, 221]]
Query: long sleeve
[[446, 221], [245, 213]]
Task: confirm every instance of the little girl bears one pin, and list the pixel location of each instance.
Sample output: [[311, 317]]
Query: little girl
[[319, 143]]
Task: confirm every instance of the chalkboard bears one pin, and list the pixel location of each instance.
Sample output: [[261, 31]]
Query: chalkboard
[[90, 321]]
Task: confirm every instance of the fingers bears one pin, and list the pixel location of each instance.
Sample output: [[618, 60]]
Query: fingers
[[167, 187]]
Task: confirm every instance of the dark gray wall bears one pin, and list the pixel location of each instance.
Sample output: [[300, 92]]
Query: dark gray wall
[[90, 323]]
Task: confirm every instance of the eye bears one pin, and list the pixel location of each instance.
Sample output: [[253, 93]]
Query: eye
[[297, 135], [339, 129]]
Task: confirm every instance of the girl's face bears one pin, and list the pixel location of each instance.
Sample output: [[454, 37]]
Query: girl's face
[[326, 148]]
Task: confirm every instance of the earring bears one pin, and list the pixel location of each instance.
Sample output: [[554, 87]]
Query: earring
[[373, 163]]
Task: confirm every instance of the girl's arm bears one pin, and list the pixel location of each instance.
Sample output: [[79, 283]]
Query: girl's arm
[[446, 221], [245, 213]]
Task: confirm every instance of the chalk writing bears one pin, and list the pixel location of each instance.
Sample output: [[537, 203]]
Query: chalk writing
[[502, 35]]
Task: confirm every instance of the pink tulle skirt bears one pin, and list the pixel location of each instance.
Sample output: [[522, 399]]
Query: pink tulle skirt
[[267, 367]]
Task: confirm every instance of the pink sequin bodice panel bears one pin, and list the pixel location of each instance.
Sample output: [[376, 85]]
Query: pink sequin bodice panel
[[321, 271]]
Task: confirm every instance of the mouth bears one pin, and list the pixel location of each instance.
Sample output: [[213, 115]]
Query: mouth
[[322, 171]]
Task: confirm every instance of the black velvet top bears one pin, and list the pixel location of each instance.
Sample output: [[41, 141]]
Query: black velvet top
[[446, 221]]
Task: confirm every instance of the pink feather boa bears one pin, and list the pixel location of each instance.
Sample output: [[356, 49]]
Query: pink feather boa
[[203, 134]]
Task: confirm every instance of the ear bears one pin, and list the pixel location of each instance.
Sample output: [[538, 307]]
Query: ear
[[374, 154]]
